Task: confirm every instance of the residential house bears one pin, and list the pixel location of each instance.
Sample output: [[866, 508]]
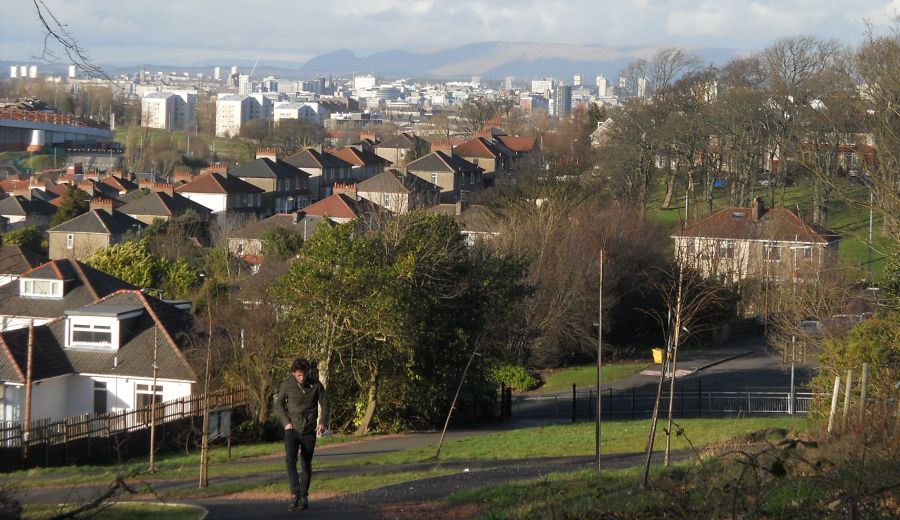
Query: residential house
[[398, 192], [599, 135], [90, 232], [489, 155], [120, 184], [247, 243], [27, 212], [341, 208], [756, 242], [526, 150], [285, 187], [402, 148], [324, 170], [13, 262], [48, 290], [119, 353], [476, 222], [365, 164], [162, 206], [223, 194], [455, 176]]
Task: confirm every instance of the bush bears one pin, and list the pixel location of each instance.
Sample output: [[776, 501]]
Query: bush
[[514, 376]]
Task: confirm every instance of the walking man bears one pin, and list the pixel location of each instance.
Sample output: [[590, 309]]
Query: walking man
[[297, 405]]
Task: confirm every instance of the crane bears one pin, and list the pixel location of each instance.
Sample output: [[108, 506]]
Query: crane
[[250, 77]]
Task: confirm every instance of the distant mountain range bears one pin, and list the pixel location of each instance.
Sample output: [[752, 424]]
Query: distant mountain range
[[495, 60], [490, 60]]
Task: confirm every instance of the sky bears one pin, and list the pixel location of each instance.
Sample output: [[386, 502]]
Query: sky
[[194, 32]]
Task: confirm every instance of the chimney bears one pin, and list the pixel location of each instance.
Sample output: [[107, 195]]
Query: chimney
[[164, 187], [443, 145], [368, 135], [484, 132], [758, 209], [86, 186], [145, 184], [218, 167], [103, 203], [267, 153], [346, 189], [184, 177]]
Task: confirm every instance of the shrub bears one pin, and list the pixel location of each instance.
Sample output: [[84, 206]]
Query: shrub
[[516, 377]]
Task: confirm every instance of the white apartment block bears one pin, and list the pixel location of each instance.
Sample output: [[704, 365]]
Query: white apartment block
[[234, 110], [312, 112], [173, 111], [363, 82], [542, 86]]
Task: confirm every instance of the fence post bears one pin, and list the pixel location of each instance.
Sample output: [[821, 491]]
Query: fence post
[[632, 402], [834, 402], [609, 394], [574, 400], [863, 393], [699, 398], [847, 398]]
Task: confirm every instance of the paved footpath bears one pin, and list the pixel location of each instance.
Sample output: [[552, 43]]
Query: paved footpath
[[402, 500]]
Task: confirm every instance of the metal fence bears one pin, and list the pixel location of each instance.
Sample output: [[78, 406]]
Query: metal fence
[[688, 402]]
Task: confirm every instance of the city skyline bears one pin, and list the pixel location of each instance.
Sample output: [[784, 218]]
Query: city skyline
[[129, 32]]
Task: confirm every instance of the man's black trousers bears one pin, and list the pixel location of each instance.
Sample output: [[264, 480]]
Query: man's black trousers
[[303, 444]]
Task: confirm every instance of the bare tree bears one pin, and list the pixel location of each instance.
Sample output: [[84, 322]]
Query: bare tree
[[56, 33]]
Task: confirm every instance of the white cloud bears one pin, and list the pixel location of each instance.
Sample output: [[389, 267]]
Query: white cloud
[[180, 31]]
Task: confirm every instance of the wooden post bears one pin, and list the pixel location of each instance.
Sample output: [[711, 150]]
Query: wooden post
[[574, 407], [29, 373], [863, 392], [834, 402], [152, 468], [847, 398]]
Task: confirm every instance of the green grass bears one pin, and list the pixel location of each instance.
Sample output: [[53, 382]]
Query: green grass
[[586, 375], [173, 466], [547, 441], [577, 440], [226, 149], [131, 510]]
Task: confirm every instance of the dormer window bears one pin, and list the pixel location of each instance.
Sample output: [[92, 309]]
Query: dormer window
[[99, 327], [31, 288]]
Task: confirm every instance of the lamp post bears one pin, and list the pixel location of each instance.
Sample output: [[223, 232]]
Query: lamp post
[[597, 427]]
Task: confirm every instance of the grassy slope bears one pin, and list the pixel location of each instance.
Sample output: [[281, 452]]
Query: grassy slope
[[586, 375], [132, 511], [227, 149]]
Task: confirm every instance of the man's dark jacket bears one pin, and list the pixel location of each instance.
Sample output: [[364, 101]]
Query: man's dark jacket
[[299, 405]]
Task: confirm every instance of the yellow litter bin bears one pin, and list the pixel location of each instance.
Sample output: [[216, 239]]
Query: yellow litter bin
[[658, 355]]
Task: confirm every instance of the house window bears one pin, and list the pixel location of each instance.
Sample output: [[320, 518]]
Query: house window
[[70, 241], [41, 289], [434, 179], [725, 249], [100, 395], [143, 398], [85, 334], [472, 178], [240, 247], [807, 253], [772, 253]]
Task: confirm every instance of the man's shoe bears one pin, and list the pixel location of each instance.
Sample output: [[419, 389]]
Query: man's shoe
[[295, 504], [304, 503]]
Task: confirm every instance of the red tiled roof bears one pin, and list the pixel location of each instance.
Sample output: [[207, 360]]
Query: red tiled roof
[[360, 157], [212, 182], [335, 206], [517, 144], [777, 224], [477, 147]]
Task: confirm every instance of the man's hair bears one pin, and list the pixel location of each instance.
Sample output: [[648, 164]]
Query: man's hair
[[300, 364]]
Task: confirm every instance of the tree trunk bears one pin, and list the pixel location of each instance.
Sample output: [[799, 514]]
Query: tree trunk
[[675, 341], [372, 402], [671, 178]]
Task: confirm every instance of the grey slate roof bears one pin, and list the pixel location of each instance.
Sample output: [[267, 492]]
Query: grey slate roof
[[391, 181], [439, 161], [402, 141], [134, 357], [163, 205], [19, 206], [13, 260], [99, 221], [265, 168], [83, 285], [311, 158]]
